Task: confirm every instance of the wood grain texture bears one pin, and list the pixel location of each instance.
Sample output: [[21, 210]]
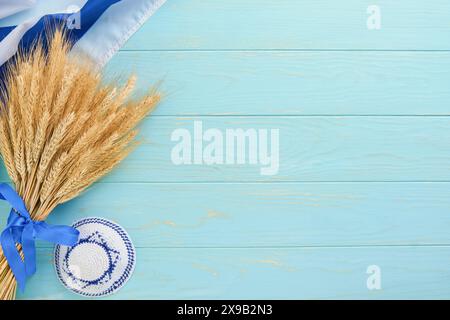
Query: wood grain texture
[[222, 215], [364, 170], [292, 24], [262, 273], [311, 149], [293, 83]]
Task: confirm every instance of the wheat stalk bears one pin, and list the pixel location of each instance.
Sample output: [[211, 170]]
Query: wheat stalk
[[61, 129]]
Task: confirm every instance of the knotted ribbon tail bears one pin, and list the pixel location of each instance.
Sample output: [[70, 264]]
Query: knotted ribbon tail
[[13, 257], [58, 234], [23, 230], [29, 249]]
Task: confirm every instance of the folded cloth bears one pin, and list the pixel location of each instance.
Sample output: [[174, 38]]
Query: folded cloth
[[9, 7], [98, 28]]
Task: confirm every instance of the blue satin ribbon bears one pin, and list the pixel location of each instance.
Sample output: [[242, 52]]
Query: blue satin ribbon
[[21, 229]]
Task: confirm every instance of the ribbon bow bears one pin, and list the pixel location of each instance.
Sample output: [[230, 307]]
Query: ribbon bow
[[23, 230]]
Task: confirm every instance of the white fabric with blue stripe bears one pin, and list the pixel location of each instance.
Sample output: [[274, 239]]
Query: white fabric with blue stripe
[[98, 28]]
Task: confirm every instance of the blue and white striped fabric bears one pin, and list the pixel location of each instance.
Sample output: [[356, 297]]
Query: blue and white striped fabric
[[97, 28]]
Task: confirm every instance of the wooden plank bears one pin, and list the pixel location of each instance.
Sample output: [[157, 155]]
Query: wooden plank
[[294, 273], [251, 215], [293, 83], [290, 24], [310, 149]]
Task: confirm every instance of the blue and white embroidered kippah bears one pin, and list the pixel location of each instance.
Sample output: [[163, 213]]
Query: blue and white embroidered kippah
[[100, 263]]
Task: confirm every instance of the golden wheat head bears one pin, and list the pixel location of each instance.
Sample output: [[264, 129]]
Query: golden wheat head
[[61, 129]]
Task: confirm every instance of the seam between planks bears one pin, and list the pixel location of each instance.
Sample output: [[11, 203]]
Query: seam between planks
[[187, 116], [293, 247], [286, 50], [270, 182]]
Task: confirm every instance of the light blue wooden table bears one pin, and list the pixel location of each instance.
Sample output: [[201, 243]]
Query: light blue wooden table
[[364, 177]]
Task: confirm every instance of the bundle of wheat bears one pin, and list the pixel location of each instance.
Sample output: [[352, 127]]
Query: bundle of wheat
[[61, 129]]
